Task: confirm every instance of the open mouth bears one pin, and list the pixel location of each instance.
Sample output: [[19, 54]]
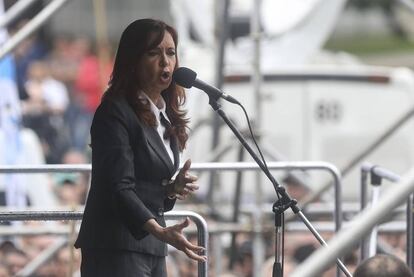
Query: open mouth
[[165, 76]]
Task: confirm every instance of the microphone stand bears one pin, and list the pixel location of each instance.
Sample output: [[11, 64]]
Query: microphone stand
[[281, 205]]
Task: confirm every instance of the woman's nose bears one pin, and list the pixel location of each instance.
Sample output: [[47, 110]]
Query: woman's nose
[[164, 59]]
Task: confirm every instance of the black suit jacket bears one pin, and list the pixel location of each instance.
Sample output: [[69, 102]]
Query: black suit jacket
[[129, 168]]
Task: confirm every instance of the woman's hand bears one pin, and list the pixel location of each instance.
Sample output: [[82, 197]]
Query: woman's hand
[[173, 235], [184, 183]]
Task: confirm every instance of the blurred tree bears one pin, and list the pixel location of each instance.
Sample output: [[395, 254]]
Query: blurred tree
[[366, 4], [388, 8]]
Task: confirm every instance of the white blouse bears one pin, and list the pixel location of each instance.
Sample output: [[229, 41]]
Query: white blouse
[[156, 110]]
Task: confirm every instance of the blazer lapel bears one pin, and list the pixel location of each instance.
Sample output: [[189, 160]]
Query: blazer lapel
[[156, 143], [175, 150]]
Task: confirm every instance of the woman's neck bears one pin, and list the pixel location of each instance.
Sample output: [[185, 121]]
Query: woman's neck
[[153, 95], [155, 98]]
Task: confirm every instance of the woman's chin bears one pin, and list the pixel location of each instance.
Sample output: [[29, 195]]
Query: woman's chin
[[164, 84]]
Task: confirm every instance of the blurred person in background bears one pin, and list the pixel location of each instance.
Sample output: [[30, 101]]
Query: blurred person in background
[[19, 145], [67, 188], [137, 133], [383, 266], [66, 263], [4, 271], [92, 76], [34, 244], [64, 58], [29, 50], [43, 110], [244, 262], [75, 157], [33, 47], [15, 259]]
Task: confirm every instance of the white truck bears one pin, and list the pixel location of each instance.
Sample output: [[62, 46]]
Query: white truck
[[316, 113]]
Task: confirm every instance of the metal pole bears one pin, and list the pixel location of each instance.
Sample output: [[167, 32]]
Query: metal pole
[[217, 253], [14, 11], [222, 29], [202, 232], [256, 63], [374, 232], [46, 168], [31, 27], [42, 258], [363, 154], [410, 228], [265, 169], [201, 167], [258, 240], [364, 177], [408, 4], [346, 239], [386, 174], [274, 155], [322, 242], [336, 175], [212, 167], [236, 209], [102, 42]]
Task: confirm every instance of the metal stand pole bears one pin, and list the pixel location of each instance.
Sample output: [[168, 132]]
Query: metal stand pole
[[284, 201], [410, 227]]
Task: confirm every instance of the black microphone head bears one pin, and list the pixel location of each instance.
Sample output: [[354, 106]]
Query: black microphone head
[[184, 77]]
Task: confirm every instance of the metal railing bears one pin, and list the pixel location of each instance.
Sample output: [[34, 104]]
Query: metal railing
[[31, 26], [348, 238], [287, 166], [202, 231], [377, 174], [200, 167], [14, 11]]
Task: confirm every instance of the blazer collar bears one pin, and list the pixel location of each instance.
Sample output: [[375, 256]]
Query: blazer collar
[[157, 144]]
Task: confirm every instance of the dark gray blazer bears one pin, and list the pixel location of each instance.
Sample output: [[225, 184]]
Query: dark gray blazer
[[129, 166]]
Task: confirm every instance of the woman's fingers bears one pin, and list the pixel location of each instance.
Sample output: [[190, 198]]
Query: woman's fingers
[[194, 256], [180, 197], [184, 245], [183, 173], [184, 224], [185, 182], [193, 247], [184, 193], [191, 250], [186, 166], [190, 187], [189, 178]]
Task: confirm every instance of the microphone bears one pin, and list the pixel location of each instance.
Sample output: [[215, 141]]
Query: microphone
[[187, 78]]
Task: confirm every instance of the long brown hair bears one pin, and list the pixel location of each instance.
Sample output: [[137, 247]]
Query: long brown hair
[[139, 37]]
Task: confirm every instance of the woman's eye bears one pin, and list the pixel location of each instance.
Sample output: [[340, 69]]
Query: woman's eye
[[152, 53]]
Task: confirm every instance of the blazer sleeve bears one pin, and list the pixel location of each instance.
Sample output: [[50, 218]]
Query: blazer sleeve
[[114, 160]]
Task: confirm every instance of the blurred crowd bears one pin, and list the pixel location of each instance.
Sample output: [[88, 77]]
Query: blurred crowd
[[60, 85], [59, 82], [60, 90]]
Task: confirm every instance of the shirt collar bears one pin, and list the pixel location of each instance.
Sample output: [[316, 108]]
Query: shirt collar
[[155, 109]]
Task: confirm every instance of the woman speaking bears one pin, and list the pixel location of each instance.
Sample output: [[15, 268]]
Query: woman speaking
[[137, 133]]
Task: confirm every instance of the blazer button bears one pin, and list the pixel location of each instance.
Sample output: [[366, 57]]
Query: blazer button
[[160, 211], [164, 182]]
